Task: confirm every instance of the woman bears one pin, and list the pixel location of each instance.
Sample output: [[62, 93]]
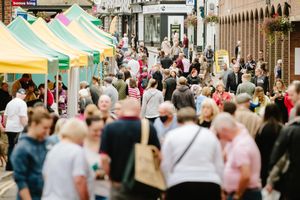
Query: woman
[[277, 97], [193, 78], [209, 111], [152, 98], [62, 99], [127, 76], [243, 67], [220, 96], [260, 99], [104, 105], [133, 90], [205, 93], [267, 136], [91, 148], [66, 171], [197, 175], [29, 155], [196, 65]]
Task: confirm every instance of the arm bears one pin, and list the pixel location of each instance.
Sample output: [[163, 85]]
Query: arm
[[105, 161], [280, 146], [25, 194], [81, 187], [24, 120], [244, 180], [143, 110], [228, 83]]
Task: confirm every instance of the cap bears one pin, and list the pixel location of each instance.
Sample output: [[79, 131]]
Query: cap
[[21, 91], [243, 98]]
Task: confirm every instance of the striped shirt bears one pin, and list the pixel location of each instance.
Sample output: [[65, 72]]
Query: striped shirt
[[134, 93]]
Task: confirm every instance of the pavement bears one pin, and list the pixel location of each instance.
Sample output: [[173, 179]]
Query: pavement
[[8, 188]]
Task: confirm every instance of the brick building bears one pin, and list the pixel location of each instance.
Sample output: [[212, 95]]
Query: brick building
[[7, 10], [240, 21]]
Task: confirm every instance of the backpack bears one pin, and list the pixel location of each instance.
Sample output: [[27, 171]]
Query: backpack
[[209, 54], [144, 82]]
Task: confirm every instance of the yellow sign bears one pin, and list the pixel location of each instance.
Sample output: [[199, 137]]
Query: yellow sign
[[222, 57]]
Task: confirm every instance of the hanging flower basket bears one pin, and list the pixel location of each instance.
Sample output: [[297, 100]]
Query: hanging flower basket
[[211, 19], [191, 20], [276, 26]]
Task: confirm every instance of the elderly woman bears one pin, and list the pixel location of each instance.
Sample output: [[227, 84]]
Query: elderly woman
[[66, 165], [220, 96]]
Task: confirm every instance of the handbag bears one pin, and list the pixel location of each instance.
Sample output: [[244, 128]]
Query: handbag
[[186, 150], [142, 173]]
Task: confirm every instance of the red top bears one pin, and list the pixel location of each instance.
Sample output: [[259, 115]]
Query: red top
[[288, 103], [221, 98]]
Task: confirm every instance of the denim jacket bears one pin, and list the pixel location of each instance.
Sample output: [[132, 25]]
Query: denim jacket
[[27, 159]]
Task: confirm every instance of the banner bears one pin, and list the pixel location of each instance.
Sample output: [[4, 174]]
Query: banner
[[222, 57], [24, 2]]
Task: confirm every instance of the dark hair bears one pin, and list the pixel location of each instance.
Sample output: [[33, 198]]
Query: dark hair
[[41, 86], [186, 114], [127, 75], [229, 107], [272, 114], [132, 83], [25, 76], [92, 119], [232, 59], [55, 118], [120, 75], [297, 106]]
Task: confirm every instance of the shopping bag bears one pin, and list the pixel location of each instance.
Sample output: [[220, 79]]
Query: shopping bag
[[274, 195]]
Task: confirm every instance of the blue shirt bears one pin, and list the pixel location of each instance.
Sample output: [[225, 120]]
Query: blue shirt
[[199, 101], [27, 159], [162, 130]]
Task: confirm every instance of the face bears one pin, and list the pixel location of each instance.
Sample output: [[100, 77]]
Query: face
[[236, 69], [249, 57], [220, 88], [224, 134], [278, 84], [104, 104], [293, 94], [42, 90], [95, 130], [42, 129], [257, 72], [118, 107], [5, 87], [173, 74], [30, 88], [207, 111]]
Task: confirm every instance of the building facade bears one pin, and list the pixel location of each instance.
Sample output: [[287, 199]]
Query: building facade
[[241, 21], [5, 11]]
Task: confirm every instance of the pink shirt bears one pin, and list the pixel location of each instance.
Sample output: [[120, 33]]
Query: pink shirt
[[242, 151]]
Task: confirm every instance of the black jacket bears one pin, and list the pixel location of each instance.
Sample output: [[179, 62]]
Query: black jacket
[[183, 97], [288, 142], [231, 85], [158, 77], [4, 99], [166, 62], [170, 86], [263, 82]]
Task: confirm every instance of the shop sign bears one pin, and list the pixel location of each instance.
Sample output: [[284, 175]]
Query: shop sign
[[167, 8], [190, 2], [136, 8], [222, 57], [24, 2]]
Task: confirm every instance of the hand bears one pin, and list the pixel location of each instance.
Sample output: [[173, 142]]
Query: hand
[[269, 188]]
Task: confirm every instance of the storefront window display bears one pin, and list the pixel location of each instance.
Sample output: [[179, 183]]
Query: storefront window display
[[152, 29]]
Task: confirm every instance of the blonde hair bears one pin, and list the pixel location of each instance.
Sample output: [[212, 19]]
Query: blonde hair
[[74, 129], [90, 110], [206, 91], [261, 99], [212, 104], [59, 124]]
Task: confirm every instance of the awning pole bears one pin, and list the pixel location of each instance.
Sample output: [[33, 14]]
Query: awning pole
[[46, 90], [56, 91]]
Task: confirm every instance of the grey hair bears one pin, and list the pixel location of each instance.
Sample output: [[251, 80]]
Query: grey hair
[[224, 120], [73, 129], [168, 106]]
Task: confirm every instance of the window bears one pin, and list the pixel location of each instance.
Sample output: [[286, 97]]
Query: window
[[152, 29]]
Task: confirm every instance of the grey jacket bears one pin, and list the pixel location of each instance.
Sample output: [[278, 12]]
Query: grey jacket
[[246, 87], [183, 97], [152, 98]]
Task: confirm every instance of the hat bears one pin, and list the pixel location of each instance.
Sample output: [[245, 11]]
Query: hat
[[108, 80], [21, 91], [243, 98]]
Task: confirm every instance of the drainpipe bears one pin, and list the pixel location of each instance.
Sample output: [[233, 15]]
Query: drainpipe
[[3, 10]]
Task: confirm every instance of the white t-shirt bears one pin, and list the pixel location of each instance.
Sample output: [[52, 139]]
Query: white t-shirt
[[186, 65], [15, 109], [135, 67], [125, 42], [64, 162]]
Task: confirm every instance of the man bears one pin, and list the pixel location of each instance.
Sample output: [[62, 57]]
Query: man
[[142, 45], [167, 120], [15, 119], [234, 79], [250, 65], [237, 50], [185, 44], [179, 62], [50, 97], [133, 64], [165, 60], [288, 143], [241, 179], [120, 85], [278, 69], [186, 66], [111, 91], [261, 80], [169, 85], [20, 83], [95, 90], [246, 86], [224, 74], [175, 51], [294, 95], [4, 96], [59, 80], [245, 116], [183, 96], [209, 55], [118, 140]]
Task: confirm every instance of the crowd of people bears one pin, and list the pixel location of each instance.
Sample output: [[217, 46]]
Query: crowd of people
[[221, 136]]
